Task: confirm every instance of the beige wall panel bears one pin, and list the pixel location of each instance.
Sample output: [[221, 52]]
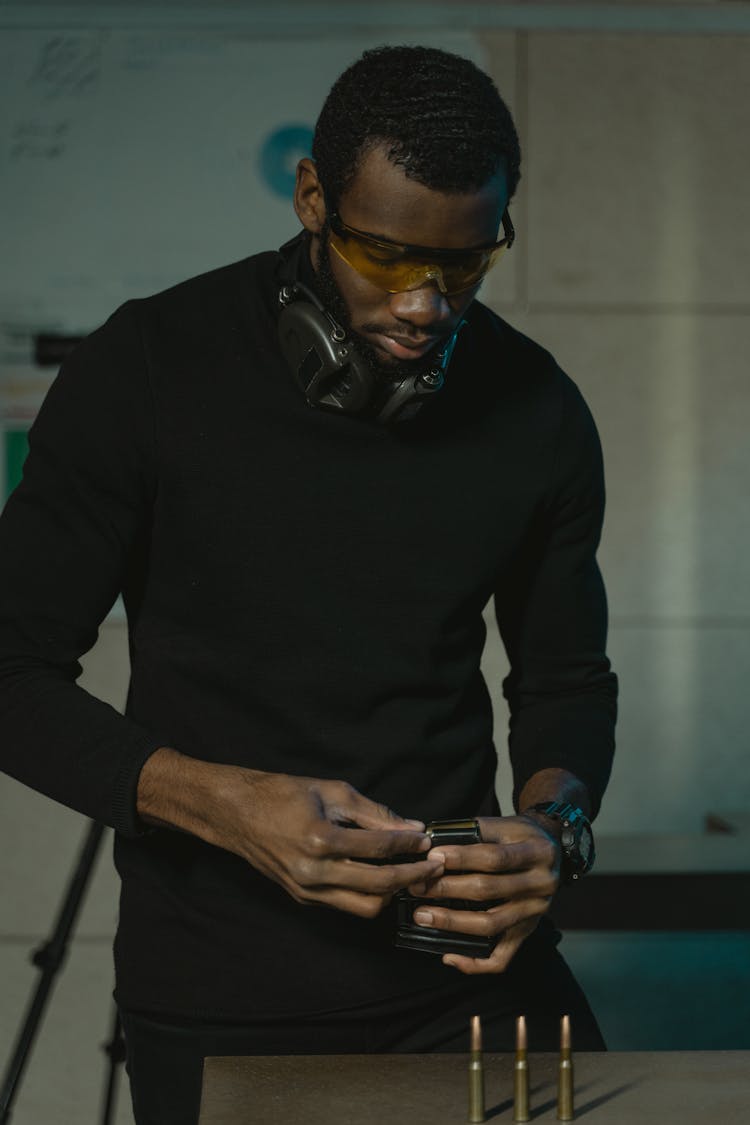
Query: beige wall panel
[[683, 735], [64, 1080], [670, 397], [638, 166], [495, 668], [683, 732]]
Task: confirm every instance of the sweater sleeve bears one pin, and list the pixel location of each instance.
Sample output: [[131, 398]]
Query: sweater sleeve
[[553, 621], [71, 536]]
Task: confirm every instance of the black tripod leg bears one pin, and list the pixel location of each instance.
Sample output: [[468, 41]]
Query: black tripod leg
[[115, 1050], [49, 957]]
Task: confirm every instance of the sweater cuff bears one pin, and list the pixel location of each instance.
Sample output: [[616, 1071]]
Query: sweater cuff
[[589, 759], [124, 818]]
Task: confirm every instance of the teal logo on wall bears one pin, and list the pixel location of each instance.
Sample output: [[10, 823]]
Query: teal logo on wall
[[279, 155]]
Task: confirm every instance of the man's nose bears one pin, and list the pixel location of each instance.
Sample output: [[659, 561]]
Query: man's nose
[[424, 306]]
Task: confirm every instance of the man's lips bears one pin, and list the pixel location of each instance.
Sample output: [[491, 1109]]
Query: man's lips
[[402, 347]]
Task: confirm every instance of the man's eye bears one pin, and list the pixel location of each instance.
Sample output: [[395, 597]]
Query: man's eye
[[382, 256]]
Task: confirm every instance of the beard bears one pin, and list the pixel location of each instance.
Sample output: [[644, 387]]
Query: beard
[[385, 371]]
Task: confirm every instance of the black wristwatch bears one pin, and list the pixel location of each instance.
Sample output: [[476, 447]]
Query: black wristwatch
[[576, 840]]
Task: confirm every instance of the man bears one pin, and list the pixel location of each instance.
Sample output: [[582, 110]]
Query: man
[[306, 525]]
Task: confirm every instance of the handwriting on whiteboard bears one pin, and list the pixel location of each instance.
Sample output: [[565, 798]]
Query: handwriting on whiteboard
[[33, 139], [68, 65]]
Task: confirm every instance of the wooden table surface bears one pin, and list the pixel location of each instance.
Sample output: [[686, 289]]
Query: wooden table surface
[[614, 1088]]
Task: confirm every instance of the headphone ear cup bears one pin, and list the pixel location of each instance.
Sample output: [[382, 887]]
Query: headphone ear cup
[[328, 370]]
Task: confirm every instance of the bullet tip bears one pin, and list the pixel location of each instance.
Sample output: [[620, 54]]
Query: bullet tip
[[521, 1036], [565, 1033], [476, 1033]]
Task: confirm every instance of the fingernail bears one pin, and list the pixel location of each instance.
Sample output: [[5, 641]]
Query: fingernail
[[425, 845], [423, 917], [416, 823], [439, 856]]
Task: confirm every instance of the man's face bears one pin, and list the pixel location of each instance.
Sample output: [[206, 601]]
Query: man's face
[[398, 330]]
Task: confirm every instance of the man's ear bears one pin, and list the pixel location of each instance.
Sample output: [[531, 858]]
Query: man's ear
[[309, 201]]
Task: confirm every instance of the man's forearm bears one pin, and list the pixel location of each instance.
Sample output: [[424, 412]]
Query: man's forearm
[[177, 791]]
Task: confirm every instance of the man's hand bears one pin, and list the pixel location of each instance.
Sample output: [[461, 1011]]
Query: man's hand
[[314, 837], [518, 862]]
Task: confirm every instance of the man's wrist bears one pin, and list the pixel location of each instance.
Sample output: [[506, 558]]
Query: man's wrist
[[554, 784]]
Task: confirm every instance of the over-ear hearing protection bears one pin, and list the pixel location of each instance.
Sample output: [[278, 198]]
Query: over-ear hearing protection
[[324, 358]]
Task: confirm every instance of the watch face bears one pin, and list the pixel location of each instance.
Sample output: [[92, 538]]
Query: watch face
[[567, 837], [585, 847], [578, 845]]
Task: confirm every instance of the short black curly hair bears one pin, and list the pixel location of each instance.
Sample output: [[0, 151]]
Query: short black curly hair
[[441, 117]]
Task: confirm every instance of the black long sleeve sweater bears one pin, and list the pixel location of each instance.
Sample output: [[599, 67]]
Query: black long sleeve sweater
[[304, 595]]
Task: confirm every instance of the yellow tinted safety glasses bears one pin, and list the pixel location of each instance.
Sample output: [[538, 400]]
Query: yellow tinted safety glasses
[[397, 266]]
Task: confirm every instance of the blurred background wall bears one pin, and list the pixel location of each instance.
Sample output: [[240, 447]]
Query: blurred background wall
[[140, 145]]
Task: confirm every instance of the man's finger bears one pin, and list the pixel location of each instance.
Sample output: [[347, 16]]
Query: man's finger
[[510, 829], [484, 923], [360, 878], [496, 857], [489, 888], [369, 843], [351, 902], [497, 962], [350, 805], [501, 955], [376, 878]]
